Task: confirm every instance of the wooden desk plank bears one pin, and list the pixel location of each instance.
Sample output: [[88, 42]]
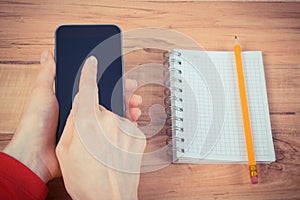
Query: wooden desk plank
[[262, 25], [16, 82], [27, 28]]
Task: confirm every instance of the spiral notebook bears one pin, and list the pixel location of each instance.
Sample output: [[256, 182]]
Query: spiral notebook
[[203, 107]]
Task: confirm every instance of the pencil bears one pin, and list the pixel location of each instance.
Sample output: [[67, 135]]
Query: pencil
[[245, 114]]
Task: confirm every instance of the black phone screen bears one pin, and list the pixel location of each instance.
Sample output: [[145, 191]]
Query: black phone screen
[[73, 45]]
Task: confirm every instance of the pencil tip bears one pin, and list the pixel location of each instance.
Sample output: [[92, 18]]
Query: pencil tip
[[236, 40]]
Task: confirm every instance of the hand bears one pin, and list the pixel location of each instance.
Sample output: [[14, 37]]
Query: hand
[[33, 143], [95, 147], [132, 101]]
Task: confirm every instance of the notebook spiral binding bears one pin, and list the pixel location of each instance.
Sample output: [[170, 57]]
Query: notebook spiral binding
[[169, 57]]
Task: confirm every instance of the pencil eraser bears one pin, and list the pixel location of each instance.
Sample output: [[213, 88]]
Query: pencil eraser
[[254, 179]]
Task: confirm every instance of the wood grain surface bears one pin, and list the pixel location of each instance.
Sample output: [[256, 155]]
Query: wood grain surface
[[27, 28]]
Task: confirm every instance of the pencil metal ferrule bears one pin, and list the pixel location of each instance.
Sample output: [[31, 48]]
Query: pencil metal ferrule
[[253, 171]]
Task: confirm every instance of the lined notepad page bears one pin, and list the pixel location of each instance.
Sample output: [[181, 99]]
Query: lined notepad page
[[227, 146]]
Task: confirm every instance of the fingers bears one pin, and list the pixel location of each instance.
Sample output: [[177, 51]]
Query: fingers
[[134, 100], [88, 90], [47, 74], [133, 114], [130, 84]]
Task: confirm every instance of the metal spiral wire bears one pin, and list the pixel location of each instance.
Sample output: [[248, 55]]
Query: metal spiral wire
[[169, 68]]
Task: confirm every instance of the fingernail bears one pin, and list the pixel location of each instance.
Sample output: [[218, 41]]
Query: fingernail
[[44, 56], [140, 100], [93, 61], [135, 113], [137, 99], [132, 82]]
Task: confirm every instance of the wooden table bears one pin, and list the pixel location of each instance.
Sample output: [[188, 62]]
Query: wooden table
[[27, 28]]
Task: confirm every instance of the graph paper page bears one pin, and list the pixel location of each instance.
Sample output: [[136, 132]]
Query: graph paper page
[[228, 145]]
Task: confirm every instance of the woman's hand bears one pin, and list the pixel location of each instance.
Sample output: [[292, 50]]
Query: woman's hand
[[33, 143], [99, 152]]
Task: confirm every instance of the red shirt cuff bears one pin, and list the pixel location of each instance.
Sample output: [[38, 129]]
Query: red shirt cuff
[[17, 181]]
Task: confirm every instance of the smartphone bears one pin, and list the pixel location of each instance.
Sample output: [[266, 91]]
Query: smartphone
[[73, 45]]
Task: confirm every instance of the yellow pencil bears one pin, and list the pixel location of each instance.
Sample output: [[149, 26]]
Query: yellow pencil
[[245, 114]]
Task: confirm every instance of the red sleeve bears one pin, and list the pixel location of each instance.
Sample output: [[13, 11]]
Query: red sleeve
[[18, 182]]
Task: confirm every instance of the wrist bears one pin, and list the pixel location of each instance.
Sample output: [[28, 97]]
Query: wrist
[[29, 158]]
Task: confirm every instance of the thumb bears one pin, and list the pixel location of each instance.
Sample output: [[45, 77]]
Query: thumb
[[47, 73]]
